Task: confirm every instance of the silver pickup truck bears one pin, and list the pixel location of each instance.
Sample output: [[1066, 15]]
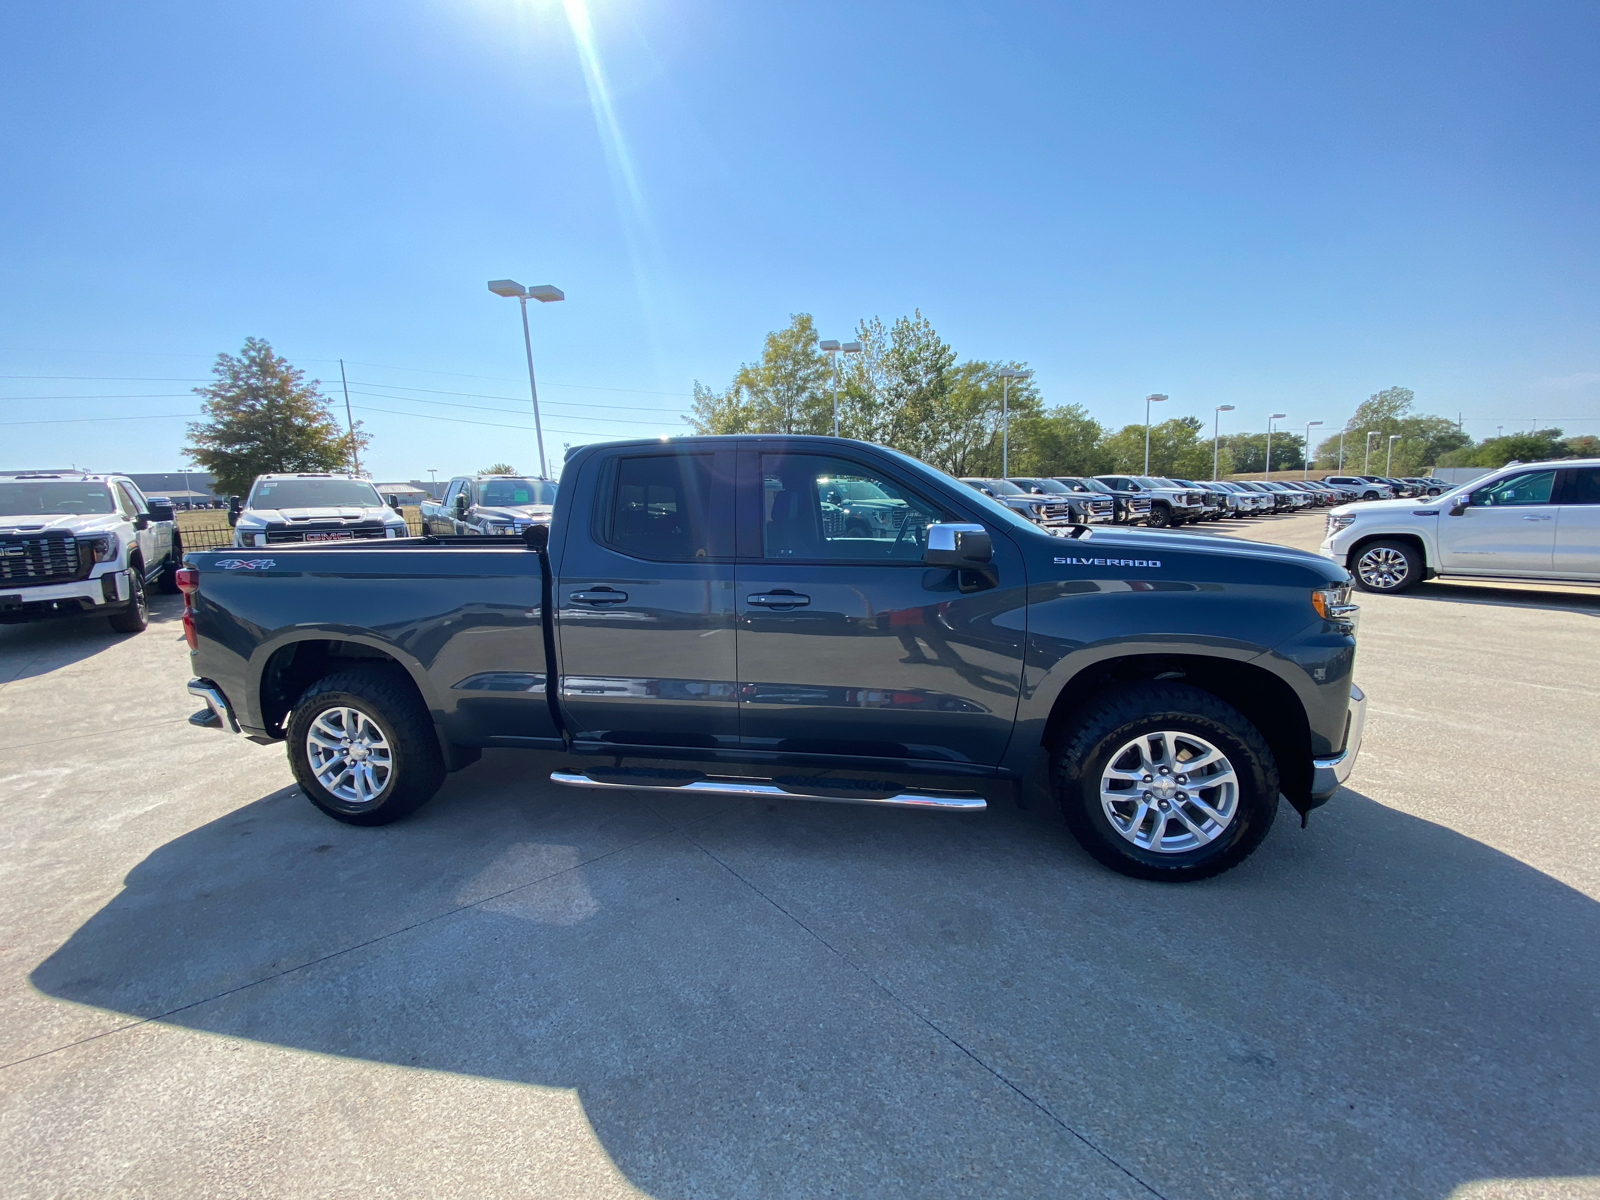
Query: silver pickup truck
[[489, 504]]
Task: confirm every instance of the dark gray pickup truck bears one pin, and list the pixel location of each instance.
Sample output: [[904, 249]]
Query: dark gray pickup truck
[[695, 618]]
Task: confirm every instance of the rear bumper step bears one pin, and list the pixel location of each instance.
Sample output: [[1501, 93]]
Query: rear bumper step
[[760, 789]]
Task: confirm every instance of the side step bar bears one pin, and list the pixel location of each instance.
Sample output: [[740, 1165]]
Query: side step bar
[[754, 788]]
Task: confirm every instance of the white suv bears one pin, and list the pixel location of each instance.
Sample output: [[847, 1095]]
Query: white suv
[[1524, 521], [72, 542]]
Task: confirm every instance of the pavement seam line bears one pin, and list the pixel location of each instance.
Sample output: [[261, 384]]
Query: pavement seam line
[[904, 1005], [332, 954]]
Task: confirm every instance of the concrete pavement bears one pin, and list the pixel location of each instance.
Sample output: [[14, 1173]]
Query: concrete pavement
[[208, 988]]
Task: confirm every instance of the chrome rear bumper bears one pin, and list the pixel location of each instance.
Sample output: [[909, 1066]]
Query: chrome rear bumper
[[216, 711]]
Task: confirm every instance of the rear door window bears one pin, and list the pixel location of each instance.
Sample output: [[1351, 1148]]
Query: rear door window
[[1581, 486], [668, 507]]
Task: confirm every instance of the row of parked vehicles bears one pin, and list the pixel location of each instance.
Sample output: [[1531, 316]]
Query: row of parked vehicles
[[1164, 503]]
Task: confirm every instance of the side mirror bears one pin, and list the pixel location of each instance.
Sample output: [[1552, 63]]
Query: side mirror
[[461, 504], [393, 502], [160, 511], [958, 546], [233, 516], [141, 521], [1461, 505]]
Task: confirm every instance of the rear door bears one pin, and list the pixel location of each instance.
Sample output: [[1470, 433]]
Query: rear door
[[848, 644], [645, 600], [1509, 528], [1577, 552]]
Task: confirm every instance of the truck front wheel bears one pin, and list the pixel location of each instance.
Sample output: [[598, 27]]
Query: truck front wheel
[[362, 746], [1387, 567], [1160, 516], [1165, 781]]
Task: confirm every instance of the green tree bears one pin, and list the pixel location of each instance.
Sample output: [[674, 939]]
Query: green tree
[[1540, 445], [788, 391], [262, 417], [1175, 449], [1065, 440], [1423, 440], [1249, 451], [499, 469]]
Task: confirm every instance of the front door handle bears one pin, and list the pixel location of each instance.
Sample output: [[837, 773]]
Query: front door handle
[[777, 600], [599, 596], [1538, 518]]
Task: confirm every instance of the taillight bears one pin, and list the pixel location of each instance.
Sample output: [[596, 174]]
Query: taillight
[[188, 580]]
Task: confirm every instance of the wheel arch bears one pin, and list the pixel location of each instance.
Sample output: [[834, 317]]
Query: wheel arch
[[293, 664], [1410, 536], [1264, 698]]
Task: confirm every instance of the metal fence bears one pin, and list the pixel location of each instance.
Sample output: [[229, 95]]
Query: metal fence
[[211, 531]]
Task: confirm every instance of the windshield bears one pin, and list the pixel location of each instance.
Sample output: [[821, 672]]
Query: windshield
[[1051, 486], [1092, 485], [27, 498], [314, 493], [1147, 481], [1004, 487], [508, 493]]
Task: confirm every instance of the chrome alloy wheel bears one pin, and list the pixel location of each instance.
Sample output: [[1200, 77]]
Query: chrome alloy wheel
[[1383, 568], [349, 755], [1169, 792]]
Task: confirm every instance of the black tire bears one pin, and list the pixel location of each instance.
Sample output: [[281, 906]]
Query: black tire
[[168, 580], [1086, 749], [136, 616], [1386, 567], [1369, 495], [387, 698], [857, 529], [1160, 517]]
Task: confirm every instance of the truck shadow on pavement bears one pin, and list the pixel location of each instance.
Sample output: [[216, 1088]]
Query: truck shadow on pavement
[[40, 647], [765, 999]]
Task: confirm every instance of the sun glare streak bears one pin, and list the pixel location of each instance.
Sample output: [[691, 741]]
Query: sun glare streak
[[637, 230]]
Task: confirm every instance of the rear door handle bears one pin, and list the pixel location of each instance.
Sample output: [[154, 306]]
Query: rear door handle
[[777, 600], [599, 596]]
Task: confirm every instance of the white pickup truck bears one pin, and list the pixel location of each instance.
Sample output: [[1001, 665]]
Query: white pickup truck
[[1525, 521], [73, 542]]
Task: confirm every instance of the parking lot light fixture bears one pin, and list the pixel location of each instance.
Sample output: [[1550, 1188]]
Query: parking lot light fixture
[[1366, 464], [1007, 375], [1305, 459], [545, 294], [1216, 436], [1389, 462], [834, 349], [1153, 398], [1270, 420]]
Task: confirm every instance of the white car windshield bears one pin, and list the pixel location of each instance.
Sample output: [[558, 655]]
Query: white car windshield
[[1003, 487], [41, 498], [510, 493], [314, 493], [1051, 486]]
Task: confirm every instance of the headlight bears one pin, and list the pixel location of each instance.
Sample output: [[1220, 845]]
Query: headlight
[[1333, 603], [106, 547], [1335, 524]]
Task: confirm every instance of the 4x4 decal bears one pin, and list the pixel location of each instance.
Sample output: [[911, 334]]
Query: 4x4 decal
[[245, 564]]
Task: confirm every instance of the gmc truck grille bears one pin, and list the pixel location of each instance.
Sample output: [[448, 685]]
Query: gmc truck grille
[[40, 558], [321, 531]]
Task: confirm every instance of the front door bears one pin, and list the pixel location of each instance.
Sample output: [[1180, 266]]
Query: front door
[[645, 598], [848, 644], [1509, 528], [1578, 524]]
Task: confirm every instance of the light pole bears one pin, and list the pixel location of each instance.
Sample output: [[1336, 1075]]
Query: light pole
[[834, 348], [1306, 459], [1153, 398], [1270, 420], [348, 419], [544, 293], [1389, 462], [1341, 452], [1216, 436], [1366, 463], [1007, 375]]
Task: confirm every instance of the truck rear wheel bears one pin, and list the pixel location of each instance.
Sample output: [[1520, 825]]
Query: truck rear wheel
[[362, 746], [1165, 781]]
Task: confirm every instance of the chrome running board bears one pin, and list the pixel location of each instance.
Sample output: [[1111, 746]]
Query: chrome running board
[[751, 788]]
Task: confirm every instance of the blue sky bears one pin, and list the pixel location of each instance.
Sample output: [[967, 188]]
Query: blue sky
[[1281, 207]]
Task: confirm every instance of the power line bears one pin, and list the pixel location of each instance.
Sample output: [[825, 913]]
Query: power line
[[395, 387], [487, 408], [467, 421], [189, 416]]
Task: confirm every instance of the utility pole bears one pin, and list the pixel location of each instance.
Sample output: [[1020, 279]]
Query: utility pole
[[349, 420], [1270, 420], [1341, 452]]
